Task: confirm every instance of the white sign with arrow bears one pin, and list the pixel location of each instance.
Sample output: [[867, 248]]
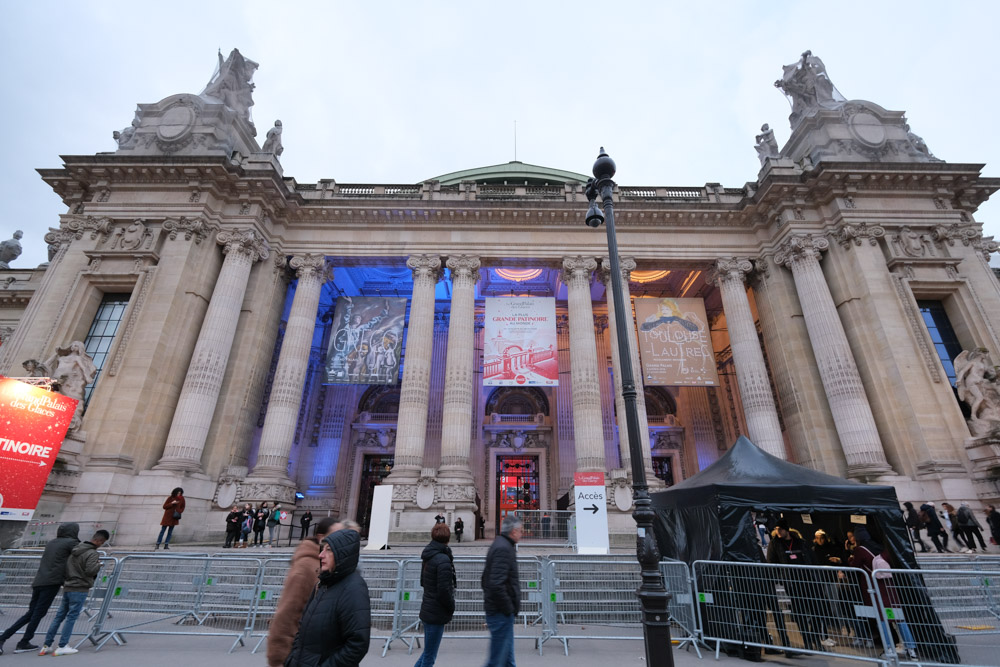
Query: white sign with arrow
[[591, 501]]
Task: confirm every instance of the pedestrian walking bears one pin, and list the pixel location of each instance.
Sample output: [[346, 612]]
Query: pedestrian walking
[[233, 521], [502, 592], [437, 577], [246, 524], [970, 527], [259, 523], [914, 524], [273, 521], [788, 548], [173, 508], [336, 625], [459, 529], [304, 522], [300, 582], [993, 521], [82, 568], [935, 530], [949, 516], [50, 576]]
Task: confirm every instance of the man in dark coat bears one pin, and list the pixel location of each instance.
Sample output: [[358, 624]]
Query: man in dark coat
[[49, 578], [437, 577], [502, 592], [915, 525], [82, 568], [993, 521], [336, 625], [788, 548], [935, 531]]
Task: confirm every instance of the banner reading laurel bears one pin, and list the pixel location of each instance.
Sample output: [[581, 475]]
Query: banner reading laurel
[[675, 345], [366, 341], [519, 346]]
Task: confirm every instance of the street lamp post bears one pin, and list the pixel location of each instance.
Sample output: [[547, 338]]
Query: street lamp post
[[653, 596]]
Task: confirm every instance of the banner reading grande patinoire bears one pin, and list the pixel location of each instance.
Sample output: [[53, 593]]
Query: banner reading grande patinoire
[[519, 346], [675, 345], [366, 341]]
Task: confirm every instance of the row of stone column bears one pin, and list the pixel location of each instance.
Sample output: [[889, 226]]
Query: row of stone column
[[203, 383]]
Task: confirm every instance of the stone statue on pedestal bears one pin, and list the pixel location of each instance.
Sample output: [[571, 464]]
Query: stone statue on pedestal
[[35, 369], [232, 84], [272, 144], [978, 386], [72, 369], [10, 250], [766, 146], [808, 86]]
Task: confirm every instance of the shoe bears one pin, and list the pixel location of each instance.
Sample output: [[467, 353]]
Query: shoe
[[911, 654], [24, 647], [45, 649], [828, 642], [792, 654], [157, 547], [772, 651], [166, 547], [65, 650]]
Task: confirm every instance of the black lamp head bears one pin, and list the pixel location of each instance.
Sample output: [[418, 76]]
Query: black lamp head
[[595, 218], [604, 167]]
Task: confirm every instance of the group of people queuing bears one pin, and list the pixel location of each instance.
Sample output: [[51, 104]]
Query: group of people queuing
[[69, 564], [323, 616], [823, 610], [250, 520], [962, 524]]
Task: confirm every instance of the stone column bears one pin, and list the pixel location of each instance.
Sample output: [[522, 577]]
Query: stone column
[[456, 427], [761, 414], [587, 424], [414, 393], [627, 265], [203, 382], [852, 414], [270, 473]]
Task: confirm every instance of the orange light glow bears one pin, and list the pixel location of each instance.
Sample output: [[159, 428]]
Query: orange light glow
[[648, 276], [519, 275]]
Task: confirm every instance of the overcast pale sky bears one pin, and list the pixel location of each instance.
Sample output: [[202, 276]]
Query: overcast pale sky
[[398, 92]]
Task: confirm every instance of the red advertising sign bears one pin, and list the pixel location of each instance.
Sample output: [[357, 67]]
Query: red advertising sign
[[588, 478], [33, 424]]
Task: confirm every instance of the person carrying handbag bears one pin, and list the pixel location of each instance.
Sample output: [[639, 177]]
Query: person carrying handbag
[[173, 508]]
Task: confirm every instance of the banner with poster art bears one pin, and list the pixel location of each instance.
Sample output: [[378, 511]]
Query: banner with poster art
[[367, 340], [520, 344], [675, 345]]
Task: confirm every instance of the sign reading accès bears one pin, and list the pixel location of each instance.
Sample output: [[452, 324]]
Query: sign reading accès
[[591, 501], [520, 347], [33, 424]]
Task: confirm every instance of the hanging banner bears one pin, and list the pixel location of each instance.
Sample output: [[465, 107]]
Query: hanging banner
[[367, 341], [675, 345], [33, 424], [519, 346]]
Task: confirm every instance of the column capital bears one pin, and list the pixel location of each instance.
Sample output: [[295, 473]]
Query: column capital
[[799, 248], [245, 241], [731, 268], [577, 268], [463, 267], [315, 265], [425, 266], [856, 234], [626, 264]]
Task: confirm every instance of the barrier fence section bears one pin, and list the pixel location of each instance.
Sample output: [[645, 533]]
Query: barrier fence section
[[943, 617], [556, 527], [792, 609], [16, 574], [38, 533]]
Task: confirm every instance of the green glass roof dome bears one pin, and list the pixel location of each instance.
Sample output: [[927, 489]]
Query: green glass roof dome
[[512, 173]]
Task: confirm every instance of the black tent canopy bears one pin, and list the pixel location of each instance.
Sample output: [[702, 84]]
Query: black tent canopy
[[708, 516]]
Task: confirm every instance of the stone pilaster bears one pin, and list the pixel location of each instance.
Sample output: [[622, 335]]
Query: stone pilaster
[[627, 265], [270, 477], [587, 424], [414, 394], [203, 382], [852, 414], [761, 414], [456, 427]]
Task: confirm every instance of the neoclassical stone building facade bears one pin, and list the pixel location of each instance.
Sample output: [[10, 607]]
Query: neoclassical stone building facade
[[840, 285]]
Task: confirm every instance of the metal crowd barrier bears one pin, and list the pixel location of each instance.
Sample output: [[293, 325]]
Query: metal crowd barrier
[[38, 533], [272, 582], [555, 527]]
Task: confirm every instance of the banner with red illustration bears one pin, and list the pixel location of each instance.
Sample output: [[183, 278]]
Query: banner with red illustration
[[675, 345], [519, 347], [33, 424]]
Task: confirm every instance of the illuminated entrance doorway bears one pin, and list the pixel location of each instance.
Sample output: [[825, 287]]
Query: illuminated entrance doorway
[[374, 469], [517, 485]]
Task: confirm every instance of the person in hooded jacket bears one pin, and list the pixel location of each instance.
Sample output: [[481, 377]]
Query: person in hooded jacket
[[336, 626], [913, 522], [48, 579], [82, 568], [299, 584], [864, 558], [935, 530], [437, 576]]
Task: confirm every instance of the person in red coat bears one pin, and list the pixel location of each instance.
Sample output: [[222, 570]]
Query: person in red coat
[[173, 507]]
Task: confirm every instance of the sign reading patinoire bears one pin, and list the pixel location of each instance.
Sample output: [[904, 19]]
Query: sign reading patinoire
[[675, 345], [519, 347], [366, 341]]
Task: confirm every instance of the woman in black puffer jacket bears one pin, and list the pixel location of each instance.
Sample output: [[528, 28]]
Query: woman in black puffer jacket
[[437, 576]]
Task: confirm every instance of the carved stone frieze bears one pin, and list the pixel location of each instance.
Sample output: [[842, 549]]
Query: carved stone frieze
[[135, 236], [731, 268], [464, 269], [311, 264], [800, 247], [425, 267], [245, 241], [577, 269], [79, 225], [908, 242], [626, 264], [857, 234], [986, 245], [269, 491], [948, 234], [191, 228]]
